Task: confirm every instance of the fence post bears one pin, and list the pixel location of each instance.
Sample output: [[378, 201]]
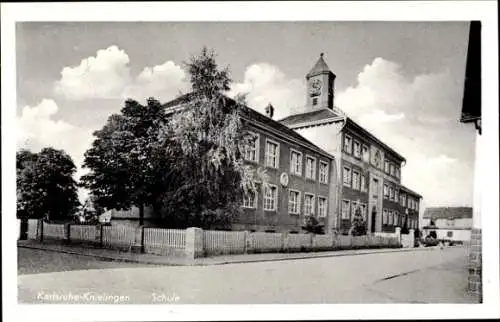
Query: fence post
[[138, 246], [412, 238], [284, 241], [194, 242], [40, 226], [67, 230], [398, 235], [101, 238], [246, 240]]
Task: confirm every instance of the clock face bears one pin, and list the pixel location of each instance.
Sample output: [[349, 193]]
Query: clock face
[[315, 88]]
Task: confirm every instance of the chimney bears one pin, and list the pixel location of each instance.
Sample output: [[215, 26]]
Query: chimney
[[269, 110]]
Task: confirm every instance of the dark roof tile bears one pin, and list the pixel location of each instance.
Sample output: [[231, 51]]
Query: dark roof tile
[[448, 212]]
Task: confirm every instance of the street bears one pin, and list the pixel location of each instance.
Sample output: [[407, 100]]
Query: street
[[430, 276]]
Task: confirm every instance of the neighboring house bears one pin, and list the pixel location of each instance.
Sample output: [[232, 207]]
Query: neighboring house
[[301, 176], [451, 223], [369, 171]]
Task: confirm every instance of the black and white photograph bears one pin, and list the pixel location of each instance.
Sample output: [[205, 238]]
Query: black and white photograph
[[172, 161]]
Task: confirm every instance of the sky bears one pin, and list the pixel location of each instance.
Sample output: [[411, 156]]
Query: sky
[[403, 81]]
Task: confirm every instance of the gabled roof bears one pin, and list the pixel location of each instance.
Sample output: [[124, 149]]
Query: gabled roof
[[321, 116], [257, 119], [448, 212], [408, 190], [319, 68], [316, 115]]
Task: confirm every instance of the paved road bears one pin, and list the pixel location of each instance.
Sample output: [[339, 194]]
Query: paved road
[[33, 261], [437, 276]]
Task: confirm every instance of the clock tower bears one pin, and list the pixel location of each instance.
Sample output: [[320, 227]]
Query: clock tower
[[320, 84]]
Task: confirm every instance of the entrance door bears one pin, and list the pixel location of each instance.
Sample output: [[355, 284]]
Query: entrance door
[[374, 220]]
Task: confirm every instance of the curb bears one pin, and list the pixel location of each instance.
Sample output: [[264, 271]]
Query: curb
[[312, 257], [200, 263]]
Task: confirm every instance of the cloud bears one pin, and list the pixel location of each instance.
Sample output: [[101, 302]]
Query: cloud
[[266, 84], [104, 75], [163, 82], [417, 117], [107, 75], [37, 128]]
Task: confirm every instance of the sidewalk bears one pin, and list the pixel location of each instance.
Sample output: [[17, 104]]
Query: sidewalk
[[151, 259]]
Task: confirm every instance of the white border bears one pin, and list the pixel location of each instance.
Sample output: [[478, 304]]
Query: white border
[[299, 11]]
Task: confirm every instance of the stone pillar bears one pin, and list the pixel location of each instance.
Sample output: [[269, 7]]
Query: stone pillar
[[248, 244], [67, 235], [284, 241], [39, 234], [138, 246], [194, 242], [475, 251], [412, 238]]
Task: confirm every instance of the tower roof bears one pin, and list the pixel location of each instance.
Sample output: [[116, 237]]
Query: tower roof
[[319, 68]]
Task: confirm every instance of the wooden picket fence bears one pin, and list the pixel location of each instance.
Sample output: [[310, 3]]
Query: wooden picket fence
[[178, 242]]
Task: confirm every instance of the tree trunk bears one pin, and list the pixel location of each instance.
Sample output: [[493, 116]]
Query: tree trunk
[[141, 214]]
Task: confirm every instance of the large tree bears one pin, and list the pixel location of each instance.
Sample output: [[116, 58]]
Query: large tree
[[45, 185], [209, 139], [188, 165], [126, 160]]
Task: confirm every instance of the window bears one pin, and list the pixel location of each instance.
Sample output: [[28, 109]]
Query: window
[[363, 183], [308, 204], [322, 206], [315, 101], [397, 219], [272, 154], [357, 149], [449, 234], [366, 153], [386, 166], [386, 191], [391, 218], [364, 211], [270, 197], [252, 150], [416, 205], [296, 162], [392, 169], [385, 218], [354, 205], [310, 167], [347, 144], [323, 172], [345, 209], [397, 172], [403, 199], [355, 180], [347, 176], [294, 202], [250, 200], [375, 187], [391, 193], [396, 195]]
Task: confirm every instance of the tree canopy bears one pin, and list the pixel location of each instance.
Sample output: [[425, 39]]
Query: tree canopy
[[187, 165], [45, 184], [126, 158]]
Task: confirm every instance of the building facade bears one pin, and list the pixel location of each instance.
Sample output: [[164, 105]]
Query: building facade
[[449, 223], [369, 171], [299, 176]]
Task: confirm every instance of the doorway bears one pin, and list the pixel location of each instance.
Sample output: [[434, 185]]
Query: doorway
[[374, 220]]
